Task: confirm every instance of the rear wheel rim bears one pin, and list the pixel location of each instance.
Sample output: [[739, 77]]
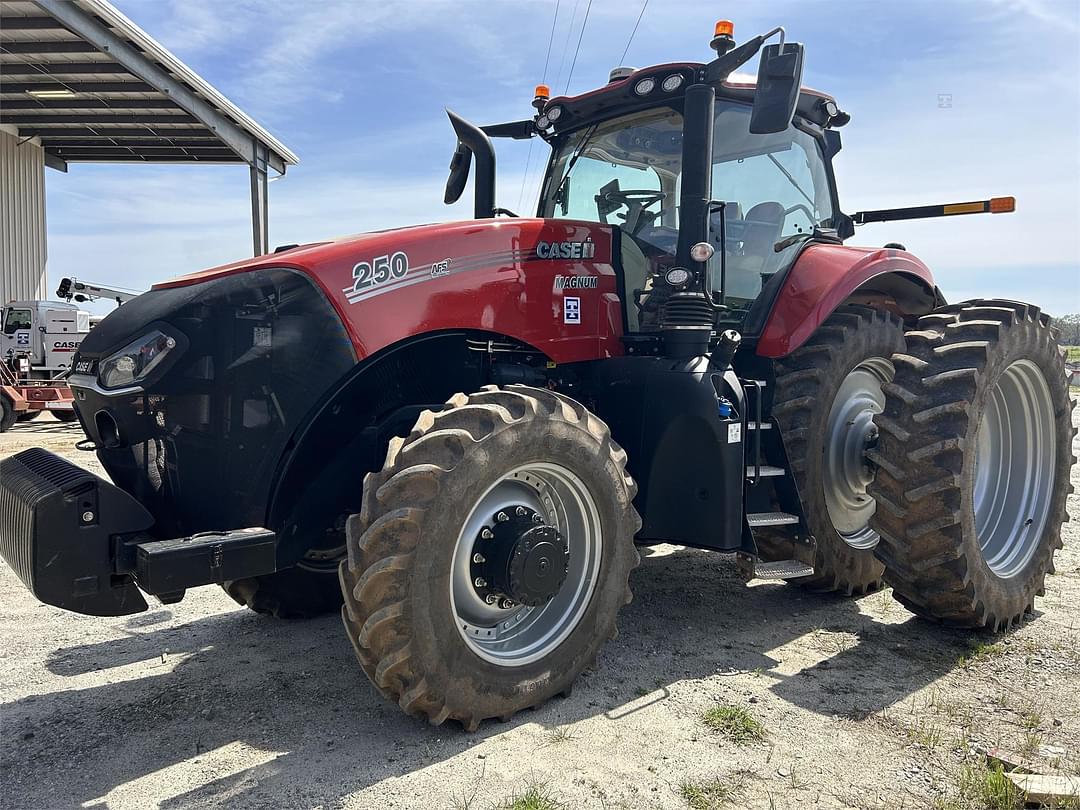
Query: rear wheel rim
[[1014, 469], [845, 470], [521, 635]]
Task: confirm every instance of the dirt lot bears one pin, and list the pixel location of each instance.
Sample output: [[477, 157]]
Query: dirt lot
[[203, 704]]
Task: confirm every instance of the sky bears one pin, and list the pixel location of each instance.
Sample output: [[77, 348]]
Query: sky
[[951, 100]]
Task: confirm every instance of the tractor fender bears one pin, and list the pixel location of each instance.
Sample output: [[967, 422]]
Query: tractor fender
[[319, 476], [826, 276]]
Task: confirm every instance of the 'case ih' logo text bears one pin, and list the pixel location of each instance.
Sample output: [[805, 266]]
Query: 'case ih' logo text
[[65, 346], [566, 250]]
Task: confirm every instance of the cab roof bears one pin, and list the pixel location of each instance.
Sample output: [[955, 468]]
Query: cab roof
[[618, 96]]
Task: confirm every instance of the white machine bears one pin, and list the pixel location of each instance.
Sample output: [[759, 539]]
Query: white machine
[[46, 332]]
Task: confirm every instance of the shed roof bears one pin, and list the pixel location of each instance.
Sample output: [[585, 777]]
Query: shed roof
[[94, 87]]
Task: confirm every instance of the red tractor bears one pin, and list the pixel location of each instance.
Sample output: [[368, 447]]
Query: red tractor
[[461, 431]]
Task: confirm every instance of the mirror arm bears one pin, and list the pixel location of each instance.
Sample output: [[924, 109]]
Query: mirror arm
[[473, 140]]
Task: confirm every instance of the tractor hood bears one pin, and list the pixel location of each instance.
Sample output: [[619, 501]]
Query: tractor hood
[[504, 275], [193, 390]]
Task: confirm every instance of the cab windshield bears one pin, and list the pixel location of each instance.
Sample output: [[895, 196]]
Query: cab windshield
[[627, 172]]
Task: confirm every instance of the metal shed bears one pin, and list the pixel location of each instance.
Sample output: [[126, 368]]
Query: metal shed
[[80, 82]]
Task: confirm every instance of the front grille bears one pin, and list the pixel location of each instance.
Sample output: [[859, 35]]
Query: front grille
[[25, 480]]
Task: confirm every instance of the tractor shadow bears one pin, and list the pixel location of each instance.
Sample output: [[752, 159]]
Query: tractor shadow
[[48, 425], [311, 728]]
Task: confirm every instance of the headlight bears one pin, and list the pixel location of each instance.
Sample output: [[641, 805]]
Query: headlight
[[672, 83], [645, 86], [136, 360], [553, 113]]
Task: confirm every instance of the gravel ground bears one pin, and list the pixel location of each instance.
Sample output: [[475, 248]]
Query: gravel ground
[[203, 704]]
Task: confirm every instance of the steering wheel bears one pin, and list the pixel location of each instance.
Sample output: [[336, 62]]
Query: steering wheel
[[636, 201]]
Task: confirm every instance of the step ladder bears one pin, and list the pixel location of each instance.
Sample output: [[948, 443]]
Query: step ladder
[[771, 496]]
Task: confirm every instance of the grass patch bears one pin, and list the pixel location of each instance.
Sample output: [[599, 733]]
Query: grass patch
[[980, 652], [735, 723], [709, 795], [560, 734], [535, 797], [983, 788], [926, 734]]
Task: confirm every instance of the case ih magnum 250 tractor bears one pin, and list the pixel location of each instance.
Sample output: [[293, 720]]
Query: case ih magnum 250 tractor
[[461, 430]]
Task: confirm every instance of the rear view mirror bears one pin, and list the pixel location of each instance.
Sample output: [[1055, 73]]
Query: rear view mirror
[[459, 174], [778, 83]]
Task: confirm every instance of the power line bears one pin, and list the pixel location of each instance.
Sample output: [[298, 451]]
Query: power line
[[622, 59], [547, 59], [551, 39], [566, 42], [578, 48]]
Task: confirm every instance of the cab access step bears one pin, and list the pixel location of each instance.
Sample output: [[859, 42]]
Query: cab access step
[[81, 544], [772, 498]]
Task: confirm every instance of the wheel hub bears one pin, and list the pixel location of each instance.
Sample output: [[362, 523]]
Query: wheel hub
[[495, 626], [519, 560], [849, 432]]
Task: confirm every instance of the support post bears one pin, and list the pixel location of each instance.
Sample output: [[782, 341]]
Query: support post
[[260, 226]]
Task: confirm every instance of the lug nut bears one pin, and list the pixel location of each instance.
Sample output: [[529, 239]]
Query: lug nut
[[480, 582], [536, 518], [479, 559], [521, 511], [87, 516], [486, 534], [502, 517], [506, 604], [491, 599]]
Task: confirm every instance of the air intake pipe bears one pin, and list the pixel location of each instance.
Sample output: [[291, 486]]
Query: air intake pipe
[[472, 142], [688, 316]]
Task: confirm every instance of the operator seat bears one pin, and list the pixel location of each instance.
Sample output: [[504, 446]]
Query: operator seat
[[763, 225], [761, 230], [637, 273]]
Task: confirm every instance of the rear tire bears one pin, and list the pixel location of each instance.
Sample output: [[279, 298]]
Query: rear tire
[[28, 416], [66, 416], [836, 374], [421, 635], [974, 462]]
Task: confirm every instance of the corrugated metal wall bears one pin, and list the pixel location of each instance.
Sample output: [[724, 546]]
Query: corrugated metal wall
[[22, 220]]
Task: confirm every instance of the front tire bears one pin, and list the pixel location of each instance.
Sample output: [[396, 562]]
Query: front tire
[[291, 593], [975, 456], [826, 394], [433, 632]]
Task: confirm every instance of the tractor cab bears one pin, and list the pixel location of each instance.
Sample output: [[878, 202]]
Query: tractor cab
[[770, 190], [710, 182]]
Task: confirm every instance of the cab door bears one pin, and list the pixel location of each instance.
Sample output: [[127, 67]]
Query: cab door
[[17, 334]]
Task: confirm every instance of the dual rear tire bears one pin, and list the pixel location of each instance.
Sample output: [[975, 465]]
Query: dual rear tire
[[973, 464], [960, 504]]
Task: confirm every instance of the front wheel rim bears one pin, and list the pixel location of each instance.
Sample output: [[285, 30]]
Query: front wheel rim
[[520, 635], [848, 431], [1015, 450]]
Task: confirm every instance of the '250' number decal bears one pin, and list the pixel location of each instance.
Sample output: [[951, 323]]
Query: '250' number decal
[[380, 271]]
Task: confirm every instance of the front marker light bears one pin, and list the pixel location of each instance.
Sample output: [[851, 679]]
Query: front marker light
[[136, 360], [702, 252], [645, 86]]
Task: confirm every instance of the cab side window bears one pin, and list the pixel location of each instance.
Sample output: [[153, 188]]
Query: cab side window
[[17, 319]]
